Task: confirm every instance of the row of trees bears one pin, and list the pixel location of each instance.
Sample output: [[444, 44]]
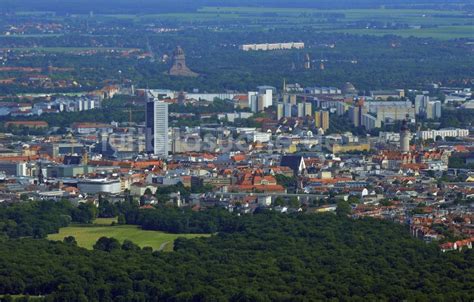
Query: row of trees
[[184, 220]]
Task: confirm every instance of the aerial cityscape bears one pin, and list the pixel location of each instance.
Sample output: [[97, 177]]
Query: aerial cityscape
[[236, 150]]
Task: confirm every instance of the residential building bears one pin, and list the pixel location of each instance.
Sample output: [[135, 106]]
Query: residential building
[[300, 107], [280, 111], [321, 119], [427, 108], [385, 94], [370, 122], [443, 133], [261, 99], [308, 108], [272, 46], [288, 109]]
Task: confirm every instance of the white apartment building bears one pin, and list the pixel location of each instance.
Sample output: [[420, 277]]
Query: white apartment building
[[261, 99], [262, 137], [447, 132], [425, 107], [272, 46]]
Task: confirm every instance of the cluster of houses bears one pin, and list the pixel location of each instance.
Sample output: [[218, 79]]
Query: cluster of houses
[[287, 165]]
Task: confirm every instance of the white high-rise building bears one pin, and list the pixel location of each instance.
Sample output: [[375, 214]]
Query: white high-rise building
[[253, 100], [300, 109], [157, 127], [420, 103], [287, 109], [260, 100], [268, 98], [433, 110], [437, 110], [280, 110], [427, 108], [308, 109]]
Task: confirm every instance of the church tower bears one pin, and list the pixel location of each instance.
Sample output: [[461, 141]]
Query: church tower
[[405, 137]]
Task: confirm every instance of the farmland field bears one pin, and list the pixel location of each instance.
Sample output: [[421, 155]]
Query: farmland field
[[435, 24], [442, 32], [440, 24], [67, 49], [86, 236]]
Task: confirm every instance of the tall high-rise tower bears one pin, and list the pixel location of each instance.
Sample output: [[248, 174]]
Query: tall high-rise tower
[[321, 119], [307, 61], [405, 137], [261, 99], [156, 121], [179, 67], [280, 110]]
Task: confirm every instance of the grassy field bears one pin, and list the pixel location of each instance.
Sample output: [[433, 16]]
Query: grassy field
[[443, 33], [441, 24], [86, 236]]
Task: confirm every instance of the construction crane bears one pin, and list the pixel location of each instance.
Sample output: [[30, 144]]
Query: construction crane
[[130, 112]]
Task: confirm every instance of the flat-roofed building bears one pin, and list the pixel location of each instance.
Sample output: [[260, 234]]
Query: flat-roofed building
[[443, 133], [96, 186], [272, 46], [321, 119]]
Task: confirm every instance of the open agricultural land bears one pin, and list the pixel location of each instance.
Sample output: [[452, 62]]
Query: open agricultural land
[[424, 23], [403, 22]]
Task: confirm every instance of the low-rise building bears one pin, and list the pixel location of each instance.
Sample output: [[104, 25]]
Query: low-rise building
[[96, 186]]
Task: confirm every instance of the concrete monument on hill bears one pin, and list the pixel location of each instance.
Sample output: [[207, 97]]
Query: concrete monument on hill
[[179, 67]]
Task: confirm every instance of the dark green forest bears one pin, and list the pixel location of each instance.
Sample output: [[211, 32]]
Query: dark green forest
[[37, 219], [268, 257], [368, 62]]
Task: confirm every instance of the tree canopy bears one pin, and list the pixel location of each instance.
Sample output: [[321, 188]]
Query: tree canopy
[[269, 257]]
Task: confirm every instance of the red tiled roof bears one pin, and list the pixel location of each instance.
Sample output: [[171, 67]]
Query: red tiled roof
[[27, 123], [91, 125]]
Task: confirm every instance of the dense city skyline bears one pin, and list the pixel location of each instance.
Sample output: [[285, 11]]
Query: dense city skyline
[[236, 150]]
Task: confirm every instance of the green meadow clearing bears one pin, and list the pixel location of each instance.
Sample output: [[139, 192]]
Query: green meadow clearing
[[87, 235]]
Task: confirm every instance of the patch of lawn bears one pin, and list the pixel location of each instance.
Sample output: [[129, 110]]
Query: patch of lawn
[[87, 236]]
